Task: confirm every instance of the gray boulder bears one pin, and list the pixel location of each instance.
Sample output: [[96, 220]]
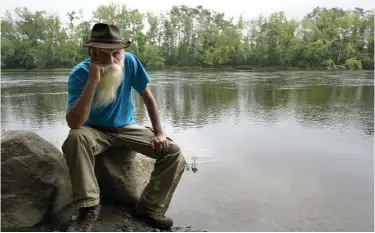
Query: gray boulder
[[34, 179], [36, 183], [123, 174]]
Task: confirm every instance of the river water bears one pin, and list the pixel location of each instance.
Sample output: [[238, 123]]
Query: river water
[[276, 151]]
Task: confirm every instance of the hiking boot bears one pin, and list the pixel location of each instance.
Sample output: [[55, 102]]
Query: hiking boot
[[86, 219], [155, 220]]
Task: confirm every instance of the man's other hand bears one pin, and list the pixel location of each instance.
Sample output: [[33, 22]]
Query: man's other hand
[[160, 143]]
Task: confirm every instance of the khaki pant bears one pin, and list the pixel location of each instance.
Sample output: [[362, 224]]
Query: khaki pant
[[84, 143]]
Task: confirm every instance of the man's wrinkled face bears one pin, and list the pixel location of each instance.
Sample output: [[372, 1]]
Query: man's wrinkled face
[[106, 56], [111, 79]]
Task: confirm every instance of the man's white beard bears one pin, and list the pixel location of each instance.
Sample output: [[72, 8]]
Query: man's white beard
[[110, 80]]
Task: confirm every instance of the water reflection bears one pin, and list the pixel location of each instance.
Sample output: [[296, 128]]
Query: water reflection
[[277, 151], [195, 99]]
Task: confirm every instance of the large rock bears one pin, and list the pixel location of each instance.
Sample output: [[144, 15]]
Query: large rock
[[123, 174], [34, 179], [36, 184]]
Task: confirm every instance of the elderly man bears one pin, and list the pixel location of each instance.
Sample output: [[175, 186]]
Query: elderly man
[[100, 114]]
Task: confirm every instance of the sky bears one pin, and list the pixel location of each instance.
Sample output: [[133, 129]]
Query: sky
[[249, 9]]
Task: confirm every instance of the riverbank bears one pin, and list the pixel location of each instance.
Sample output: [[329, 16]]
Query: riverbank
[[113, 218], [187, 68], [44, 176]]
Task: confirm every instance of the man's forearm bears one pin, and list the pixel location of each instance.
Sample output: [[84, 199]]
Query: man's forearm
[[79, 113], [154, 116]]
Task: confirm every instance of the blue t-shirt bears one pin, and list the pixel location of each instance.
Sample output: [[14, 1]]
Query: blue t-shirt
[[121, 111]]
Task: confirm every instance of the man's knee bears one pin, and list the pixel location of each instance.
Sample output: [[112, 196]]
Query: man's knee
[[175, 151], [75, 136], [173, 148]]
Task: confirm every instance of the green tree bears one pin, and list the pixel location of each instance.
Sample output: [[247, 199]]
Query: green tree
[[194, 36]]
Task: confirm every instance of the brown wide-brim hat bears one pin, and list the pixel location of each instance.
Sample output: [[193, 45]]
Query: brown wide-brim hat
[[106, 36]]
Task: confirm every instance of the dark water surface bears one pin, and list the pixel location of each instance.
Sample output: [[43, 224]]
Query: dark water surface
[[277, 151]]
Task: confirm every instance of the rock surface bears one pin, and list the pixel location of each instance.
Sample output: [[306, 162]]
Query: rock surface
[[113, 218], [123, 174], [36, 190], [34, 179]]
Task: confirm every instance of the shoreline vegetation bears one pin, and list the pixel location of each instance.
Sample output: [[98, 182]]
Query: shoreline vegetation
[[195, 38], [191, 68]]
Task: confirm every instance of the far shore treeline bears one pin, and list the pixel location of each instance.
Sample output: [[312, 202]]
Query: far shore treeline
[[195, 37]]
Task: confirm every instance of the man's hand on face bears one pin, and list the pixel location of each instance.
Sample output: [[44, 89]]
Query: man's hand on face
[[96, 67], [160, 143]]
